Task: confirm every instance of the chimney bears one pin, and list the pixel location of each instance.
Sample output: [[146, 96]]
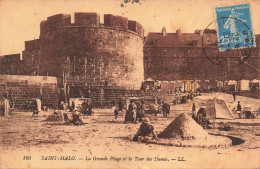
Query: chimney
[[164, 31], [178, 31]]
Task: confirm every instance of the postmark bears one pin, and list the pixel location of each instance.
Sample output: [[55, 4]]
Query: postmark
[[234, 27], [228, 40]]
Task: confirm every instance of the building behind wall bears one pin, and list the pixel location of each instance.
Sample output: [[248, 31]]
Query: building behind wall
[[179, 56]]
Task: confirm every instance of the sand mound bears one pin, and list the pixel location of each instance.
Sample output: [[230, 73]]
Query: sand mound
[[185, 132], [184, 127]]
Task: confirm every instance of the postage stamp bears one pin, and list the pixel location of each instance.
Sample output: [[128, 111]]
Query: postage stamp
[[234, 27]]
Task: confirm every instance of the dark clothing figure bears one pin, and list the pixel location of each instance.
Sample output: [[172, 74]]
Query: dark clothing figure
[[139, 112], [193, 108], [166, 109], [202, 111], [34, 108], [61, 106], [194, 112], [234, 96], [90, 109], [84, 107], [145, 132], [239, 108], [116, 113], [248, 114], [120, 105], [131, 106], [73, 106], [204, 121], [131, 113], [77, 118]]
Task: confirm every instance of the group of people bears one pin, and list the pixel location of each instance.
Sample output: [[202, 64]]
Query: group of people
[[77, 112], [135, 111], [246, 113], [201, 116], [86, 108]]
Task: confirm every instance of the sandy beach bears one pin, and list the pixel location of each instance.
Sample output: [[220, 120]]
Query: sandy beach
[[104, 142]]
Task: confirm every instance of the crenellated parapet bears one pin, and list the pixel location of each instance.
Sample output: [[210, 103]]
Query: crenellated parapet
[[87, 19], [136, 27], [49, 26], [116, 21]]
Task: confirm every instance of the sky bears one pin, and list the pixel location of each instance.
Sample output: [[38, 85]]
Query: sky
[[20, 19]]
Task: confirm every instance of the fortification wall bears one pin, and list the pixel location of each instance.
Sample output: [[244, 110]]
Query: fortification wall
[[94, 53], [11, 64], [177, 63], [22, 89], [31, 57]]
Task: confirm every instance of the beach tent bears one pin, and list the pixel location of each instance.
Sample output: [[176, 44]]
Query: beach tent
[[216, 107], [244, 85]]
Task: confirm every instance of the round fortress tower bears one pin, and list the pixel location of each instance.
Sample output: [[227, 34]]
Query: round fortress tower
[[89, 53]]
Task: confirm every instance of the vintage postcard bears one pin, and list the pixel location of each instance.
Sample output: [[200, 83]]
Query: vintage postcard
[[129, 84]]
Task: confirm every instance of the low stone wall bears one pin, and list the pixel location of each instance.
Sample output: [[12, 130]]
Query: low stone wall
[[107, 96], [22, 89]]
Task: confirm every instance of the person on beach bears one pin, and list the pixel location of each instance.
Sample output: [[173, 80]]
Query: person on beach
[[145, 132], [116, 112], [77, 118], [239, 108]]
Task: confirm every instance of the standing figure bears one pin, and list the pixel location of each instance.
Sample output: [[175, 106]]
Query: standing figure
[[84, 107], [127, 104], [116, 112], [193, 109], [239, 108], [164, 107], [34, 107], [168, 109], [72, 105], [234, 95], [120, 105]]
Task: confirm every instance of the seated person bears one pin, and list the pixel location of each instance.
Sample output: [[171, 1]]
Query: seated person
[[145, 132], [202, 111], [77, 117]]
